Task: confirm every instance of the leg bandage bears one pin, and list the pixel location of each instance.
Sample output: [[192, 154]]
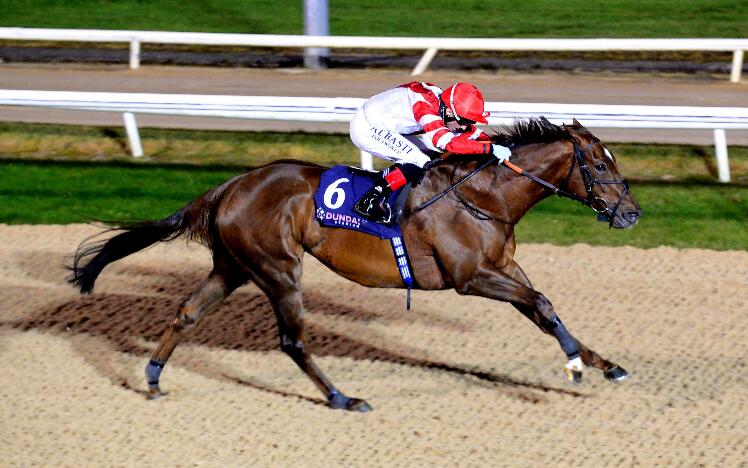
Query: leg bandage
[[567, 342], [153, 372]]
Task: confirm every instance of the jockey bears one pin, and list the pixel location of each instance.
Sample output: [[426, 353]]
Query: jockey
[[446, 118]]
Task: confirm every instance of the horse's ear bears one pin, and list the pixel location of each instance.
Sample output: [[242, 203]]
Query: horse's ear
[[579, 127], [579, 130]]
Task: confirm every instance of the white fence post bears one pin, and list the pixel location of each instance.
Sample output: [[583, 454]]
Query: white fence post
[[366, 161], [316, 23], [737, 66], [132, 134], [134, 54], [425, 61], [720, 152]]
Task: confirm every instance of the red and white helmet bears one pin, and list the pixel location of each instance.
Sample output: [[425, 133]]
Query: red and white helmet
[[466, 102]]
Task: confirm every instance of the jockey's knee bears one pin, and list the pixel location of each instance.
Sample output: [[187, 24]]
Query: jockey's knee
[[401, 174], [413, 173]]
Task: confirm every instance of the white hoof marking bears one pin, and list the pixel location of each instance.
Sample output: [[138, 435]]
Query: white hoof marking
[[575, 364]]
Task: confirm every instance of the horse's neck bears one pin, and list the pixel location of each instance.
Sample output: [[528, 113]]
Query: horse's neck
[[549, 162], [506, 195]]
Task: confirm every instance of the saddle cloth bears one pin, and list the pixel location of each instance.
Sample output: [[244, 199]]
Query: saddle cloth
[[339, 189]]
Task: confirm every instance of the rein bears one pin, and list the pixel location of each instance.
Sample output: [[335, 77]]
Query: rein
[[547, 185], [454, 186], [598, 204]]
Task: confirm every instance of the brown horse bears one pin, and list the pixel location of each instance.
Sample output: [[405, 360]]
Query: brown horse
[[258, 226]]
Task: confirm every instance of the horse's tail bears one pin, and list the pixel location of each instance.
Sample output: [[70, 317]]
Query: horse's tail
[[195, 221]]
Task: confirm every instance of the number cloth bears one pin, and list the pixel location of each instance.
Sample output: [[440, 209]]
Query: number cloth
[[339, 189]]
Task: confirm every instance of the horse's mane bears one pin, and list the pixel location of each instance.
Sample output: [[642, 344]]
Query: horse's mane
[[523, 132], [529, 131]]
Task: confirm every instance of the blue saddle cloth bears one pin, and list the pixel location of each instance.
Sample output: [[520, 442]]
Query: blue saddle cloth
[[339, 189]]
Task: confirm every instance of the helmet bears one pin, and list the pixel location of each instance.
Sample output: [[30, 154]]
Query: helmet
[[466, 102]]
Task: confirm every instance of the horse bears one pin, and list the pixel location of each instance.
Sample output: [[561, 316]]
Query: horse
[[458, 228]]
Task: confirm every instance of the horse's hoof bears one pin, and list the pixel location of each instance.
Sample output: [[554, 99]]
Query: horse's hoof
[[616, 374], [359, 406], [574, 376], [154, 393], [573, 370], [339, 401]]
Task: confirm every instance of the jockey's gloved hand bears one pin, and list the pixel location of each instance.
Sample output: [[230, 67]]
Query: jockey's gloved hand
[[500, 152]]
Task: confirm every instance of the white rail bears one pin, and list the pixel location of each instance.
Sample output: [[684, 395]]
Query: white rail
[[342, 109], [431, 45]]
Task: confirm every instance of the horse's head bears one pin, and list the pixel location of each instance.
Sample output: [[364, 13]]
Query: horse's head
[[595, 178]]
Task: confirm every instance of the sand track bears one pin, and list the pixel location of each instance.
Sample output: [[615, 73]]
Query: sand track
[[456, 381]]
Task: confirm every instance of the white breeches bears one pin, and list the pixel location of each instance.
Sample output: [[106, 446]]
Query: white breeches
[[384, 143]]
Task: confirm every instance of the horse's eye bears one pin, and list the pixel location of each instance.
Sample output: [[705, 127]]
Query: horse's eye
[[600, 167]]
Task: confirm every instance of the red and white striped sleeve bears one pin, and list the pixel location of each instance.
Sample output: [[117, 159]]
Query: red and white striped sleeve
[[426, 113], [475, 133]]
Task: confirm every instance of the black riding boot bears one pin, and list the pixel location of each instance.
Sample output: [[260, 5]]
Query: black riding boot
[[374, 205]]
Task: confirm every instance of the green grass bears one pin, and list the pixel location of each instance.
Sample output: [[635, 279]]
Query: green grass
[[468, 18], [80, 143], [66, 174], [61, 193], [642, 162], [689, 215]]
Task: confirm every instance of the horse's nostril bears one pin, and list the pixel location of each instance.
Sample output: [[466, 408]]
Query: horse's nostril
[[632, 215]]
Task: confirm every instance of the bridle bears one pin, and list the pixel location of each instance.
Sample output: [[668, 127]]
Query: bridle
[[598, 204]]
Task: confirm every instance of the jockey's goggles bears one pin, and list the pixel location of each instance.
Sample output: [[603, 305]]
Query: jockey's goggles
[[461, 121]]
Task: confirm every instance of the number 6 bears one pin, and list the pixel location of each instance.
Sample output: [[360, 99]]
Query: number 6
[[334, 191]]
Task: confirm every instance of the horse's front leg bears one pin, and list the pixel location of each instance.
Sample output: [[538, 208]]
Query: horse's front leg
[[493, 283], [612, 371]]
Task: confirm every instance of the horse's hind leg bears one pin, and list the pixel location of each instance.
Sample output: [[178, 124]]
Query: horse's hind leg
[[280, 279], [272, 253], [206, 298], [287, 303]]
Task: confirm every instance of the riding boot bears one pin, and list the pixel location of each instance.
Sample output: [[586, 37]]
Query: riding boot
[[374, 205]]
